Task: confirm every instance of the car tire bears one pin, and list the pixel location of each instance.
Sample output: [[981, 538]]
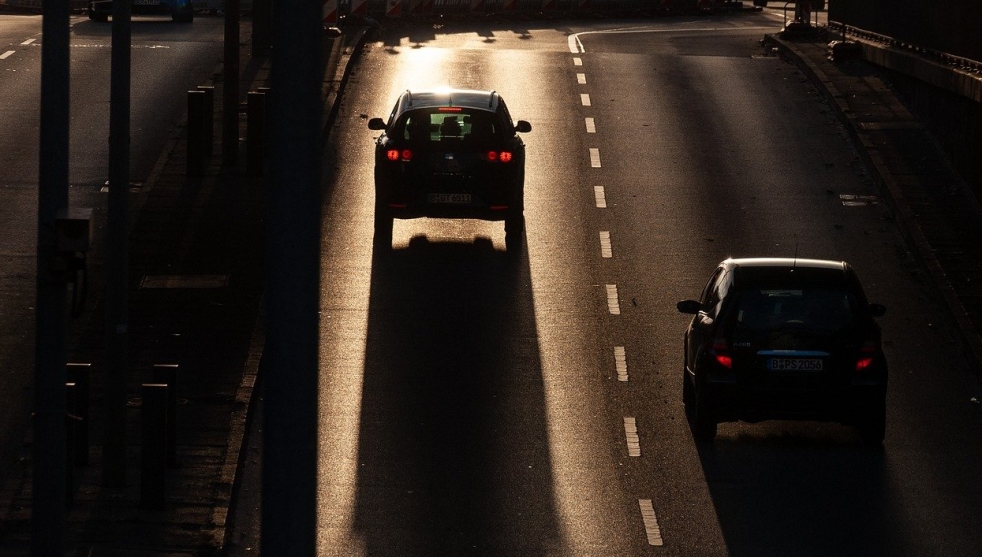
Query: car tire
[[702, 420], [873, 425], [514, 235], [383, 230]]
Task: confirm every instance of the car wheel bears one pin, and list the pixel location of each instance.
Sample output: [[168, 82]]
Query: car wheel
[[383, 229], [514, 234], [873, 425], [703, 421]]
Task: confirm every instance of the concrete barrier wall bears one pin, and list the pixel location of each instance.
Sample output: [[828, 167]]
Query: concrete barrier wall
[[949, 26]]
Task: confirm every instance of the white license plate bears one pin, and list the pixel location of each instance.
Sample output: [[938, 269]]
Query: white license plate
[[794, 364], [449, 198]]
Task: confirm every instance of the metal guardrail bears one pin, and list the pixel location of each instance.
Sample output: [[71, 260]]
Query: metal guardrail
[[954, 61]]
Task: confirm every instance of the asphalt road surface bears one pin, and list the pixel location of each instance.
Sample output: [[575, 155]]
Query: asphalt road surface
[[475, 406]]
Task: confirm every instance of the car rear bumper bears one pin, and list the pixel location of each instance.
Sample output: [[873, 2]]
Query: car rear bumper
[[848, 404]]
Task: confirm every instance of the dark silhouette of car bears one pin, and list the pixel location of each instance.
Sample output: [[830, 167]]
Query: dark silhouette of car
[[451, 153], [179, 10], [784, 339]]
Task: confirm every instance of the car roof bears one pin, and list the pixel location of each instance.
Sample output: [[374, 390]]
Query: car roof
[[779, 272], [433, 98]]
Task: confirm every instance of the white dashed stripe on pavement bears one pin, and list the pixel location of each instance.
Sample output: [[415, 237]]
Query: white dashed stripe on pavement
[[591, 127], [581, 78], [651, 528], [585, 99], [577, 61], [594, 157], [6, 54], [27, 42], [620, 363], [600, 196], [612, 304], [631, 433], [606, 251]]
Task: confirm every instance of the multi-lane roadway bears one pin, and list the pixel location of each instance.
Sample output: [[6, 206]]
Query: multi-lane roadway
[[472, 406]]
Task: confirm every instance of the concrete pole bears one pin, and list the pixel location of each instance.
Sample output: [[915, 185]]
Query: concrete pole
[[48, 510], [116, 291], [293, 258]]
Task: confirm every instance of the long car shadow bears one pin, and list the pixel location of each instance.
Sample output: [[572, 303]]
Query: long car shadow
[[453, 446], [813, 492]]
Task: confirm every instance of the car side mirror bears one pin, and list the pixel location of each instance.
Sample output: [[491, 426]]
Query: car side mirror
[[689, 306], [523, 127], [877, 310], [376, 124]]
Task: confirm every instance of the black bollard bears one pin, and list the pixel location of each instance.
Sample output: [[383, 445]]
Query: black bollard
[[78, 373], [71, 421], [153, 447], [166, 374], [256, 132], [208, 123], [196, 141]]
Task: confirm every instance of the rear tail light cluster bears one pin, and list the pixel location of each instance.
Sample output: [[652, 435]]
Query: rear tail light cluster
[[866, 355], [403, 155], [722, 353], [499, 156]]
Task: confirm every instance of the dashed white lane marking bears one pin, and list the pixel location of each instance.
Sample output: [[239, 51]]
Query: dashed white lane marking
[[606, 251], [585, 99], [651, 528], [631, 432], [600, 196], [575, 46], [612, 304], [6, 54], [591, 126], [577, 61], [27, 42], [594, 157], [620, 363], [581, 78]]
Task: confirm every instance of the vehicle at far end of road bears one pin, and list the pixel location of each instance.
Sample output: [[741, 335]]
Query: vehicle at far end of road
[[179, 10], [450, 153], [780, 338]]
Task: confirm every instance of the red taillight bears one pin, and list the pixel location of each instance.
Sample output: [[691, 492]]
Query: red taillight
[[866, 355], [722, 353], [397, 155], [495, 156]]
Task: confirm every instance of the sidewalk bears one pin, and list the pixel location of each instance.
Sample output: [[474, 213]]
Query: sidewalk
[[195, 300], [937, 211]]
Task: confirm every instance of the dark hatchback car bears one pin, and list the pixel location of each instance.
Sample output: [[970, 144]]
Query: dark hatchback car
[[179, 10], [451, 153], [784, 339]]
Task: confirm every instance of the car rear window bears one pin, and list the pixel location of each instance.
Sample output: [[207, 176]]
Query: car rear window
[[817, 310], [448, 124]]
